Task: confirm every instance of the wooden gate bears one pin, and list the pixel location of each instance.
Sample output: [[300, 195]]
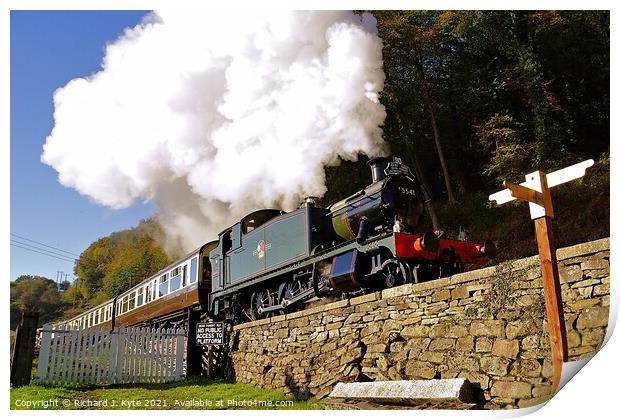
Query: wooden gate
[[125, 355]]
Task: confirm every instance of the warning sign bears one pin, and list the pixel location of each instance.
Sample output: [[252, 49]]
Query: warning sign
[[209, 333]]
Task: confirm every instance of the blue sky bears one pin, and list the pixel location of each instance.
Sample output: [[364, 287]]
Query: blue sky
[[48, 49]]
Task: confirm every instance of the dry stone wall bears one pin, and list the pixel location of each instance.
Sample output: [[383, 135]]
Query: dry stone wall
[[485, 325]]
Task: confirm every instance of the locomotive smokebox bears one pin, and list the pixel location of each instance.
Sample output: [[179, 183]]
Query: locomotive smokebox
[[377, 168]]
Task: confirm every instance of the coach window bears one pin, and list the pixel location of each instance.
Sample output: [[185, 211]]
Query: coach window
[[96, 321], [124, 305], [154, 290], [140, 296], [132, 300], [163, 285], [175, 279], [193, 269], [147, 294]]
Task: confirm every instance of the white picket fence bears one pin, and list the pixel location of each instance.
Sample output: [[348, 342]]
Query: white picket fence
[[95, 356]]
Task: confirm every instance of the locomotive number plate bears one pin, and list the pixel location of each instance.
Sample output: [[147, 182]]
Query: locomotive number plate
[[209, 333]]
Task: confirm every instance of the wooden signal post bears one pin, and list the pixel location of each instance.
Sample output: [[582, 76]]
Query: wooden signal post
[[536, 190]]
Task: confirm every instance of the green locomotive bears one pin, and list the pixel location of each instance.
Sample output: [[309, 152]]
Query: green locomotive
[[270, 261]]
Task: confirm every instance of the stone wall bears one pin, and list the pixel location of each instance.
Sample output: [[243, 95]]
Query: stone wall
[[485, 325]]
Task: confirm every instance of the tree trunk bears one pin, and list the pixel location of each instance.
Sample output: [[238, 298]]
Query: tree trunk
[[429, 106], [420, 175]]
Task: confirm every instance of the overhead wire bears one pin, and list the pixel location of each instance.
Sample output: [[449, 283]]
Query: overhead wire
[[45, 245], [68, 259], [42, 249]]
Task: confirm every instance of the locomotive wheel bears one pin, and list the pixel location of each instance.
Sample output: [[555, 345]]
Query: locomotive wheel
[[289, 290], [395, 273], [260, 299]]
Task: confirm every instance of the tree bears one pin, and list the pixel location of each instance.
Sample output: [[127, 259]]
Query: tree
[[413, 53], [114, 263], [34, 294]]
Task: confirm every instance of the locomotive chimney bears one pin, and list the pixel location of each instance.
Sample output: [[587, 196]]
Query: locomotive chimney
[[377, 168], [308, 202]]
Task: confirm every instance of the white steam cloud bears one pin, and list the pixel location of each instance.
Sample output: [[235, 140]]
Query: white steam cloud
[[214, 115]]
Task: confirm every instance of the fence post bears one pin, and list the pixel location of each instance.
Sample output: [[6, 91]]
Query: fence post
[[44, 353], [178, 368], [23, 350]]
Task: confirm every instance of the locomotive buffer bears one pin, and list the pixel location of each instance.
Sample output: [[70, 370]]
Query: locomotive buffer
[[536, 190]]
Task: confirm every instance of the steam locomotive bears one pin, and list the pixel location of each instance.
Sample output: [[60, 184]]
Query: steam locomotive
[[273, 262]]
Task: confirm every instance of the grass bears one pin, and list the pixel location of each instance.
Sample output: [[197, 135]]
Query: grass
[[193, 393]]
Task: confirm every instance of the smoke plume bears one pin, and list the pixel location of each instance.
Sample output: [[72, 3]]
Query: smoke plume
[[213, 115]]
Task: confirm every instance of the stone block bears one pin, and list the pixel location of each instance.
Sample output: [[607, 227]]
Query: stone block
[[410, 392], [417, 344], [585, 292], [541, 391], [462, 361], [465, 344], [524, 367], [601, 290], [570, 273], [573, 339], [441, 295], [334, 326], [376, 348], [351, 356], [505, 348], [415, 331], [371, 297], [419, 369], [397, 346], [592, 247], [431, 356], [594, 263], [584, 303], [370, 329], [436, 308], [511, 389], [530, 342], [475, 378], [483, 345], [460, 292], [487, 328], [392, 292], [585, 283], [528, 300], [508, 315], [281, 333], [532, 402], [593, 317], [494, 365], [593, 337], [519, 329], [442, 344], [547, 368]]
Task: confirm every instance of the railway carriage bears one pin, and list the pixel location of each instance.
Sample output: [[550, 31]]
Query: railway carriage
[[164, 297]]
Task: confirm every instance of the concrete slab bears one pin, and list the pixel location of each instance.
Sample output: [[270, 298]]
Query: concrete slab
[[406, 392]]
